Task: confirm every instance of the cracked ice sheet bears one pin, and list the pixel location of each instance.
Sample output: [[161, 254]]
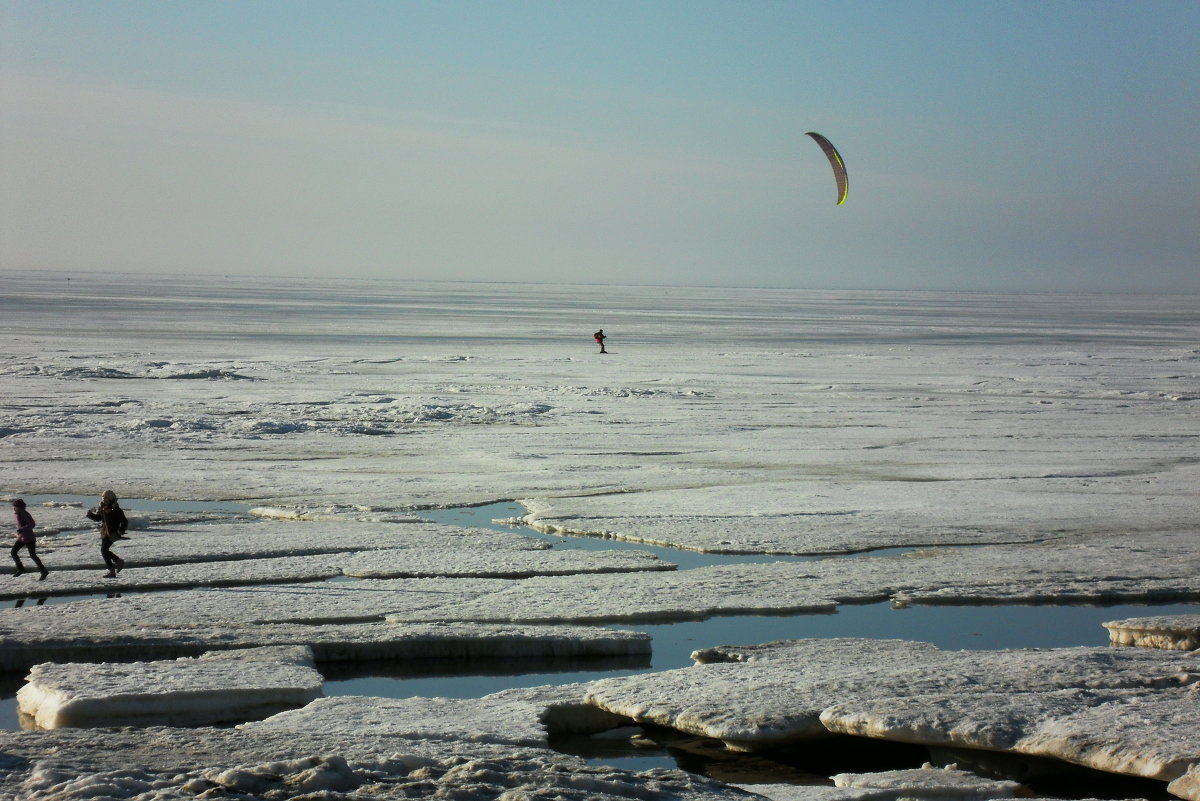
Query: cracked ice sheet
[[1111, 568], [353, 642], [169, 543], [1092, 570], [368, 748], [1160, 566], [392, 563], [512, 717], [637, 597], [1149, 732], [1120, 710], [1153, 565], [396, 748], [822, 516], [215, 687], [340, 621]]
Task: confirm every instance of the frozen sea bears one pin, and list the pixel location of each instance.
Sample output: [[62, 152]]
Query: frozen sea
[[980, 471]]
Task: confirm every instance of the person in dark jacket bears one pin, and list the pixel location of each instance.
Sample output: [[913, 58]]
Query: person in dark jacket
[[112, 528], [600, 337], [26, 539]]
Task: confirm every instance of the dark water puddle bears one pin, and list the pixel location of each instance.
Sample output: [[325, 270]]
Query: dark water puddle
[[53, 600], [973, 628]]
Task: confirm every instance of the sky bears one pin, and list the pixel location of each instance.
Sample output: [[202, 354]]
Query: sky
[[1010, 146]]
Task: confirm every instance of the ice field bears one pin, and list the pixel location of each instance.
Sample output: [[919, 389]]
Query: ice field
[[899, 484]]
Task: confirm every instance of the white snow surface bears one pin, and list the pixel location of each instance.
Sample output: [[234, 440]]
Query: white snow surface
[[1054, 435]]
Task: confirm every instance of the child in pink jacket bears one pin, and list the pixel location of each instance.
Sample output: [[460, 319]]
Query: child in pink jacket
[[26, 539]]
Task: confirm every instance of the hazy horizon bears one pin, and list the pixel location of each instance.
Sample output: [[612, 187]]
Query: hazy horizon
[[68, 275], [1011, 146]]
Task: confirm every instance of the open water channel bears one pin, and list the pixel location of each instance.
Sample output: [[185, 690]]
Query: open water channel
[[948, 627]]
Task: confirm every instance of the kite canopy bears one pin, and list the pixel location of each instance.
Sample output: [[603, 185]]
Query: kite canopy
[[835, 161]]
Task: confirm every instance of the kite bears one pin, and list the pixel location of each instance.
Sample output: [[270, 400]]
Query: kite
[[835, 161]]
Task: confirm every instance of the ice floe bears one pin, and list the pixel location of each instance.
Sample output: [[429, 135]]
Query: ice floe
[[1103, 569], [1188, 785], [1127, 711], [216, 687], [380, 563], [94, 637], [496, 564], [172, 541], [928, 782], [512, 717], [1178, 632]]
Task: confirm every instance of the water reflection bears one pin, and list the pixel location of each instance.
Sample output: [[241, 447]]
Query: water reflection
[[53, 600]]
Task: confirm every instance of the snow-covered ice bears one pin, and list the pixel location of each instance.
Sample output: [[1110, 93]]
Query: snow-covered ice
[[1188, 785], [930, 782], [1158, 566], [497, 564], [379, 563], [1179, 632], [1131, 711], [926, 783], [1051, 437], [397, 748], [171, 541], [217, 687], [93, 636], [512, 717]]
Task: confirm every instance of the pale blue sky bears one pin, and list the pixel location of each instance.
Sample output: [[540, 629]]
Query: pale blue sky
[[991, 145]]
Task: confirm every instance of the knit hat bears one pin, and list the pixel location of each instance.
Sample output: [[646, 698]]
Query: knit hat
[[20, 504]]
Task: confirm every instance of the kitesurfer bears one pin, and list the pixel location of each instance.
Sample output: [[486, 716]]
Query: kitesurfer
[[599, 337]]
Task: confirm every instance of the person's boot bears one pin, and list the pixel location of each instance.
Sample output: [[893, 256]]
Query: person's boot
[[45, 573], [20, 569]]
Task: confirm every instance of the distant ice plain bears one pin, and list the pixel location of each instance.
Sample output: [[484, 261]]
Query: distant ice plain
[[723, 420]]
